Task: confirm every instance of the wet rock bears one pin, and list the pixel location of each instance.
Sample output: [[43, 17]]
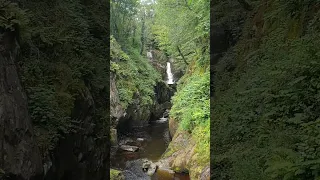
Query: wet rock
[[116, 175], [152, 169], [173, 126], [19, 153], [116, 110], [163, 94], [205, 175], [133, 170], [181, 156], [125, 141], [166, 113], [140, 139], [81, 156], [114, 139], [149, 167], [129, 148], [162, 120]]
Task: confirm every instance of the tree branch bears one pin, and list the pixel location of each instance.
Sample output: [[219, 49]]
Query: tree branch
[[182, 56]]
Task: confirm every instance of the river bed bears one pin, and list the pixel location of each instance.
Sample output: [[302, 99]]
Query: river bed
[[152, 141]]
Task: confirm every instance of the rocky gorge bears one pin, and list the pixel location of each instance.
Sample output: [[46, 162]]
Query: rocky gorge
[[51, 114]]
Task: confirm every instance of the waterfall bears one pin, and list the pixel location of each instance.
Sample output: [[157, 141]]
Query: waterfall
[[149, 55], [170, 76]]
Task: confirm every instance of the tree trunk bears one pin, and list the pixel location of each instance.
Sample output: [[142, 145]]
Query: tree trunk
[[182, 56], [142, 33]]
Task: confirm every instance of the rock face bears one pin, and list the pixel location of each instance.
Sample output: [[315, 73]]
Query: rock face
[[162, 99], [116, 110], [133, 171], [181, 157], [135, 114], [173, 126], [83, 155], [19, 154], [149, 167]]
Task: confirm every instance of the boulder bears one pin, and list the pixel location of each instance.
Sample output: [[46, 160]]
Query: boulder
[[149, 167], [129, 148], [116, 175], [133, 170], [140, 139]]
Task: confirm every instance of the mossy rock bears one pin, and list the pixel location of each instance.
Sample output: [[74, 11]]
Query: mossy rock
[[2, 173], [116, 175], [113, 136]]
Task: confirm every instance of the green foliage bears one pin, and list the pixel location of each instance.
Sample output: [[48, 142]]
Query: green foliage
[[12, 15], [191, 108], [135, 75], [201, 134], [64, 57], [266, 111], [183, 24], [191, 103], [123, 22], [116, 175]]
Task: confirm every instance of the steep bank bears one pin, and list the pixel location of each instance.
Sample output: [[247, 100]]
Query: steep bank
[[137, 91], [139, 96], [62, 66], [181, 29], [266, 113], [189, 125], [19, 154]]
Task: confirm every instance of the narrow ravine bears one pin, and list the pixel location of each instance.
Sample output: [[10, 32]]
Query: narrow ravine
[[160, 88], [147, 142]]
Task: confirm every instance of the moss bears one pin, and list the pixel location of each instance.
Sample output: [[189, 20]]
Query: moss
[[170, 150], [136, 77], [113, 136], [201, 136], [264, 117], [2, 172], [176, 169], [116, 175]]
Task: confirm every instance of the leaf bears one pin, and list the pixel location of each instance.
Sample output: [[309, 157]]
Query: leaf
[[297, 80]]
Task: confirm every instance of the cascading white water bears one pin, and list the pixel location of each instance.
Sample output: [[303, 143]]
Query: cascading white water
[[149, 55], [170, 76]]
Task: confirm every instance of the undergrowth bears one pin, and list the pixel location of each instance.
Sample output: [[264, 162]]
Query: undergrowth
[[136, 77], [266, 112], [191, 109]]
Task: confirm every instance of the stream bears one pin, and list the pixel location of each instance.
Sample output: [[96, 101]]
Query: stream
[[152, 141]]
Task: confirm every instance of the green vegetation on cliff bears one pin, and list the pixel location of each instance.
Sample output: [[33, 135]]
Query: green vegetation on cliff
[[63, 60], [135, 76], [266, 107], [58, 52], [181, 29]]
